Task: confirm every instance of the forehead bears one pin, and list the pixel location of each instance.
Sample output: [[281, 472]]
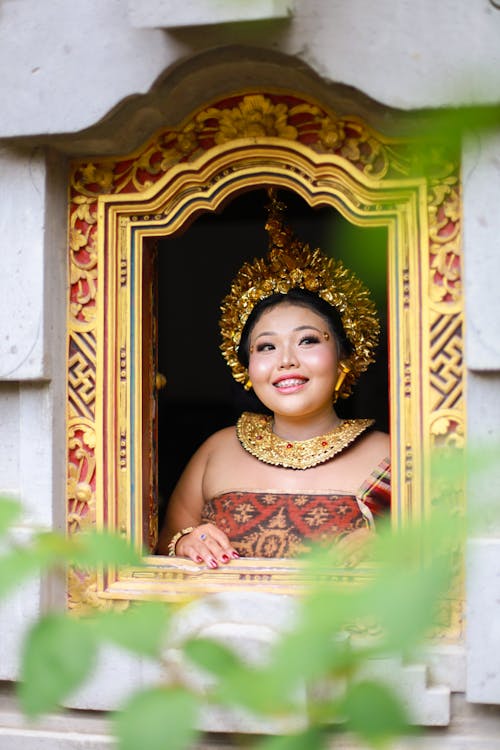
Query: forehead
[[288, 316]]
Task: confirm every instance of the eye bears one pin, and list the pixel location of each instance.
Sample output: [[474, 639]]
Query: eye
[[311, 338], [265, 346]]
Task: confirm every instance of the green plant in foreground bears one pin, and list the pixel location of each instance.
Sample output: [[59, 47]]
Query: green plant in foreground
[[412, 573]]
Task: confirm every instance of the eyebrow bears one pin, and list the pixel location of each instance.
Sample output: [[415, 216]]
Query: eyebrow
[[299, 328]]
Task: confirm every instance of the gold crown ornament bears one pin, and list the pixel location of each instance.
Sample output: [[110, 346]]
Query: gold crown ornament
[[291, 264]]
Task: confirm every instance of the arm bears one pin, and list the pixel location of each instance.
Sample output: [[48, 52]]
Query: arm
[[206, 543]]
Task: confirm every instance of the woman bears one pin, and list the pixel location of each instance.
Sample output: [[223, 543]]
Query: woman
[[299, 329]]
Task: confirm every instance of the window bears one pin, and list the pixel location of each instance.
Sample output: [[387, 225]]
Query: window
[[195, 271], [126, 214]]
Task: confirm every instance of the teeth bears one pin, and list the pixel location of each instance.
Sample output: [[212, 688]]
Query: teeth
[[289, 382]]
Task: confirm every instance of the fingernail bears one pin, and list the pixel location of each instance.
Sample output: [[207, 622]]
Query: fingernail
[[199, 559], [234, 554], [225, 558], [213, 563]]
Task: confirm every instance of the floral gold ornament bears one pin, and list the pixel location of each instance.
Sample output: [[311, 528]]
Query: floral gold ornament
[[255, 433], [330, 157], [291, 264]]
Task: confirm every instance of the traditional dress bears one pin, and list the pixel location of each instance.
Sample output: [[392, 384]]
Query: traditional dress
[[281, 524]]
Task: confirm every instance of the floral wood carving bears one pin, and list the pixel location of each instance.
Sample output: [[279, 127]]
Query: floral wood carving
[[258, 116]]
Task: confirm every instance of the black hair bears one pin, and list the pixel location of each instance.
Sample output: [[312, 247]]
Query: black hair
[[304, 298]]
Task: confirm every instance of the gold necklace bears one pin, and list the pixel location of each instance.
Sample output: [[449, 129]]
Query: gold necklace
[[255, 433]]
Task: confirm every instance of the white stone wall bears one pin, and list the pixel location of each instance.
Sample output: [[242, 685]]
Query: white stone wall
[[481, 187], [33, 185], [65, 66]]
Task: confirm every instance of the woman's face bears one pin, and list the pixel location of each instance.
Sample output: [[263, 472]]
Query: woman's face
[[293, 361]]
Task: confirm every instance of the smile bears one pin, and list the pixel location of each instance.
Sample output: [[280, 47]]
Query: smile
[[286, 383]]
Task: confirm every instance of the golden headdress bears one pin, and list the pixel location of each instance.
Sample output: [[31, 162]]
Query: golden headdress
[[291, 264]]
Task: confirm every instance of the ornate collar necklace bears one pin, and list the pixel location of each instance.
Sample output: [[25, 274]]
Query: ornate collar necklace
[[256, 435]]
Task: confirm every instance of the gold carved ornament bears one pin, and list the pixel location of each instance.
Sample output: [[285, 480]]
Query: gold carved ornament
[[271, 115]]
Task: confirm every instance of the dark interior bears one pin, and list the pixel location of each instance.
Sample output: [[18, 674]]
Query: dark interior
[[195, 271]]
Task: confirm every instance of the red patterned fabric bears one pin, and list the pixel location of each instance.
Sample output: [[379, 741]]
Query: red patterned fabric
[[376, 491], [268, 524]]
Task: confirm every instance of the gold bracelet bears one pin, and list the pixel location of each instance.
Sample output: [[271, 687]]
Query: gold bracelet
[[175, 539]]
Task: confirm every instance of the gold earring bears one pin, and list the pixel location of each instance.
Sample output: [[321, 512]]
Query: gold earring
[[344, 371], [326, 335]]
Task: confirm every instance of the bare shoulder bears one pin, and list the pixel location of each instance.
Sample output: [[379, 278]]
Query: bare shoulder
[[219, 444], [372, 448], [221, 440], [377, 440]]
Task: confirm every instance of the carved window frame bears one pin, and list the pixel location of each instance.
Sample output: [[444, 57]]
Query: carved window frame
[[242, 142]]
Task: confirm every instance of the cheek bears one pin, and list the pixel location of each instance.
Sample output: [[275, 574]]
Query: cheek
[[323, 361], [258, 368]]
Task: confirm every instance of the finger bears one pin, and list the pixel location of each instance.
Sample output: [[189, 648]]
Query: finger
[[217, 551], [222, 539], [187, 547], [209, 533], [200, 547], [207, 544]]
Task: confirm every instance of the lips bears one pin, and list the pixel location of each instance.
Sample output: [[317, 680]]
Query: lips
[[286, 382]]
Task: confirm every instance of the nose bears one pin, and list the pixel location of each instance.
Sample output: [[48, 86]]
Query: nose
[[288, 358]]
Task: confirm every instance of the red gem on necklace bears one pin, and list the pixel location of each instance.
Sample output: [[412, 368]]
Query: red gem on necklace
[[289, 445], [324, 443]]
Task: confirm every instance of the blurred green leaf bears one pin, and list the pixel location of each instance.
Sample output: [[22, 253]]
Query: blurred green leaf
[[15, 567], [59, 653], [313, 652], [103, 548], [141, 628], [404, 603], [212, 656], [374, 713], [310, 739], [260, 691], [157, 719], [53, 547], [10, 510]]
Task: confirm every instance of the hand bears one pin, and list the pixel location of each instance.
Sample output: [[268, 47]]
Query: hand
[[208, 544], [354, 547]]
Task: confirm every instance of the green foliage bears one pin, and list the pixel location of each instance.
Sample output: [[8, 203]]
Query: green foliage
[[373, 712], [140, 629], [338, 630], [60, 650], [309, 739], [10, 511], [59, 654], [48, 550], [102, 548], [212, 656], [157, 719]]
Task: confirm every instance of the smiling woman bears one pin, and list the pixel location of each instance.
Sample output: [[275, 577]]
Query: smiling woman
[[299, 329]]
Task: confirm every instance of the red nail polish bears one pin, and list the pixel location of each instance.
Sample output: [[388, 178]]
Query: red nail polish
[[199, 559], [234, 554], [213, 563], [225, 558]]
